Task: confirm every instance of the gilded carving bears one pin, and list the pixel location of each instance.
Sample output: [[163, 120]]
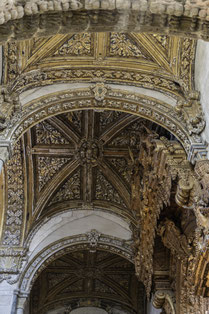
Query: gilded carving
[[174, 240], [108, 117], [118, 100], [164, 300], [87, 273], [123, 166], [122, 46], [9, 104], [78, 45], [89, 151], [100, 91], [71, 244]]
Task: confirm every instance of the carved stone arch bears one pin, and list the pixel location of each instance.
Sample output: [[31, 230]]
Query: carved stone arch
[[91, 241], [177, 17], [149, 108]]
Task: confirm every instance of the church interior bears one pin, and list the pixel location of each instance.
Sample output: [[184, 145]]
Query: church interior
[[104, 163]]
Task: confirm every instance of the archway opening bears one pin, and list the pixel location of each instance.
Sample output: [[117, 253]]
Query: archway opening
[[88, 281]]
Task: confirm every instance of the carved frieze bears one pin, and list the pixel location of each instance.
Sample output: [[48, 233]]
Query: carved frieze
[[101, 275], [115, 45], [105, 243]]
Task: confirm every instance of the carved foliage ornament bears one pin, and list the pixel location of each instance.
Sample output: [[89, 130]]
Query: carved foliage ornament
[[116, 45]]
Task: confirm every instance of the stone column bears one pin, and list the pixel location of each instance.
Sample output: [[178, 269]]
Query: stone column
[[22, 303], [151, 309], [7, 297]]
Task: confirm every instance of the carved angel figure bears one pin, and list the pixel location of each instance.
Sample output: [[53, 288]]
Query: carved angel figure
[[173, 239]]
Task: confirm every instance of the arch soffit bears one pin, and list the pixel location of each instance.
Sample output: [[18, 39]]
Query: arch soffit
[[101, 96], [92, 240], [190, 18], [48, 226]]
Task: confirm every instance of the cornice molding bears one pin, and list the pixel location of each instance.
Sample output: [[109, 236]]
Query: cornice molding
[[50, 17]]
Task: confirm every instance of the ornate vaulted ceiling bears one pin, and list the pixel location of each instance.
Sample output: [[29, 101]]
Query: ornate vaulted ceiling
[[82, 159], [87, 278], [153, 61], [74, 153]]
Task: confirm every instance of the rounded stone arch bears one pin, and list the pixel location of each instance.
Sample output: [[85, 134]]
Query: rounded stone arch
[[49, 18], [160, 110], [71, 244]]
